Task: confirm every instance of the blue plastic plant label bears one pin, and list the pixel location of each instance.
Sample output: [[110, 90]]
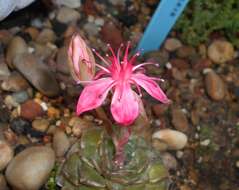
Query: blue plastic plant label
[[161, 23]]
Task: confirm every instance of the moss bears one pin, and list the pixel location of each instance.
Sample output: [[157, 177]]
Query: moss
[[202, 17]]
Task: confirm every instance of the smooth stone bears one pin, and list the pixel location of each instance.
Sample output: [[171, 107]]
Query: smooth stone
[[42, 51], [91, 28], [6, 154], [68, 3], [161, 57], [14, 83], [20, 96], [16, 47], [40, 124], [169, 161], [30, 169], [67, 15], [10, 102], [179, 120], [221, 51], [3, 183], [175, 140], [30, 110], [46, 36], [4, 71], [215, 86], [172, 44], [62, 61], [61, 143], [38, 74], [20, 126]]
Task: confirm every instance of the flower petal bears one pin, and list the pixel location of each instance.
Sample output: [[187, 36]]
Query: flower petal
[[94, 94], [150, 86], [124, 106]]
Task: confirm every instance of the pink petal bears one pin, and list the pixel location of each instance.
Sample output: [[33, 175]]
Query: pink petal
[[151, 87], [94, 94], [124, 106]]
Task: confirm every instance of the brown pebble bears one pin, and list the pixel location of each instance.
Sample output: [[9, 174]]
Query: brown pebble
[[30, 110], [179, 120], [215, 86]]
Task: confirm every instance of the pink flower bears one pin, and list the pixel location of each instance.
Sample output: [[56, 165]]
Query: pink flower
[[82, 61], [119, 76]]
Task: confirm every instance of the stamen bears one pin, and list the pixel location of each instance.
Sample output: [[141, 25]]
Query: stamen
[[115, 61], [102, 59], [143, 64], [134, 57], [103, 68]]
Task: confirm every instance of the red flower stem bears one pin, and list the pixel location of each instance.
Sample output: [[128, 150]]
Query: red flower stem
[[119, 146]]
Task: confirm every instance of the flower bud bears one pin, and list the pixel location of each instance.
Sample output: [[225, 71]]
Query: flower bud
[[82, 61]]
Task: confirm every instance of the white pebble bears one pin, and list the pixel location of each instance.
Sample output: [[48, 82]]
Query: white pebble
[[168, 65], [44, 106], [205, 142]]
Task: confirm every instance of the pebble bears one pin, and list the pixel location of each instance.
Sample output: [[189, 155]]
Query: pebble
[[69, 3], [30, 169], [61, 143], [14, 83], [179, 120], [20, 126], [67, 15], [169, 161], [40, 124], [6, 154], [46, 36], [175, 140], [3, 183], [38, 74], [185, 52], [215, 86], [159, 109], [205, 142], [16, 47], [4, 116], [62, 61], [161, 57], [112, 34], [221, 51], [30, 110], [4, 71], [20, 96], [172, 44], [10, 102], [91, 28]]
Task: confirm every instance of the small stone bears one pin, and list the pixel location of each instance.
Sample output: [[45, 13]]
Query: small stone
[[38, 74], [172, 44], [62, 61], [67, 15], [205, 142], [10, 102], [69, 3], [221, 51], [201, 64], [14, 83], [60, 143], [112, 34], [30, 169], [179, 120], [160, 56], [186, 52], [3, 183], [53, 112], [175, 140], [16, 47], [91, 28], [46, 36], [5, 115], [20, 126], [215, 86], [30, 110], [40, 124], [4, 71], [6, 154], [169, 161], [160, 109], [33, 32], [159, 145], [20, 96]]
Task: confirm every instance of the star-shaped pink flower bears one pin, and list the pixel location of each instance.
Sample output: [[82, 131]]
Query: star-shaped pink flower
[[119, 76]]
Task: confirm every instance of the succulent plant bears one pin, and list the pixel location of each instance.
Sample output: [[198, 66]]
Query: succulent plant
[[90, 165]]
